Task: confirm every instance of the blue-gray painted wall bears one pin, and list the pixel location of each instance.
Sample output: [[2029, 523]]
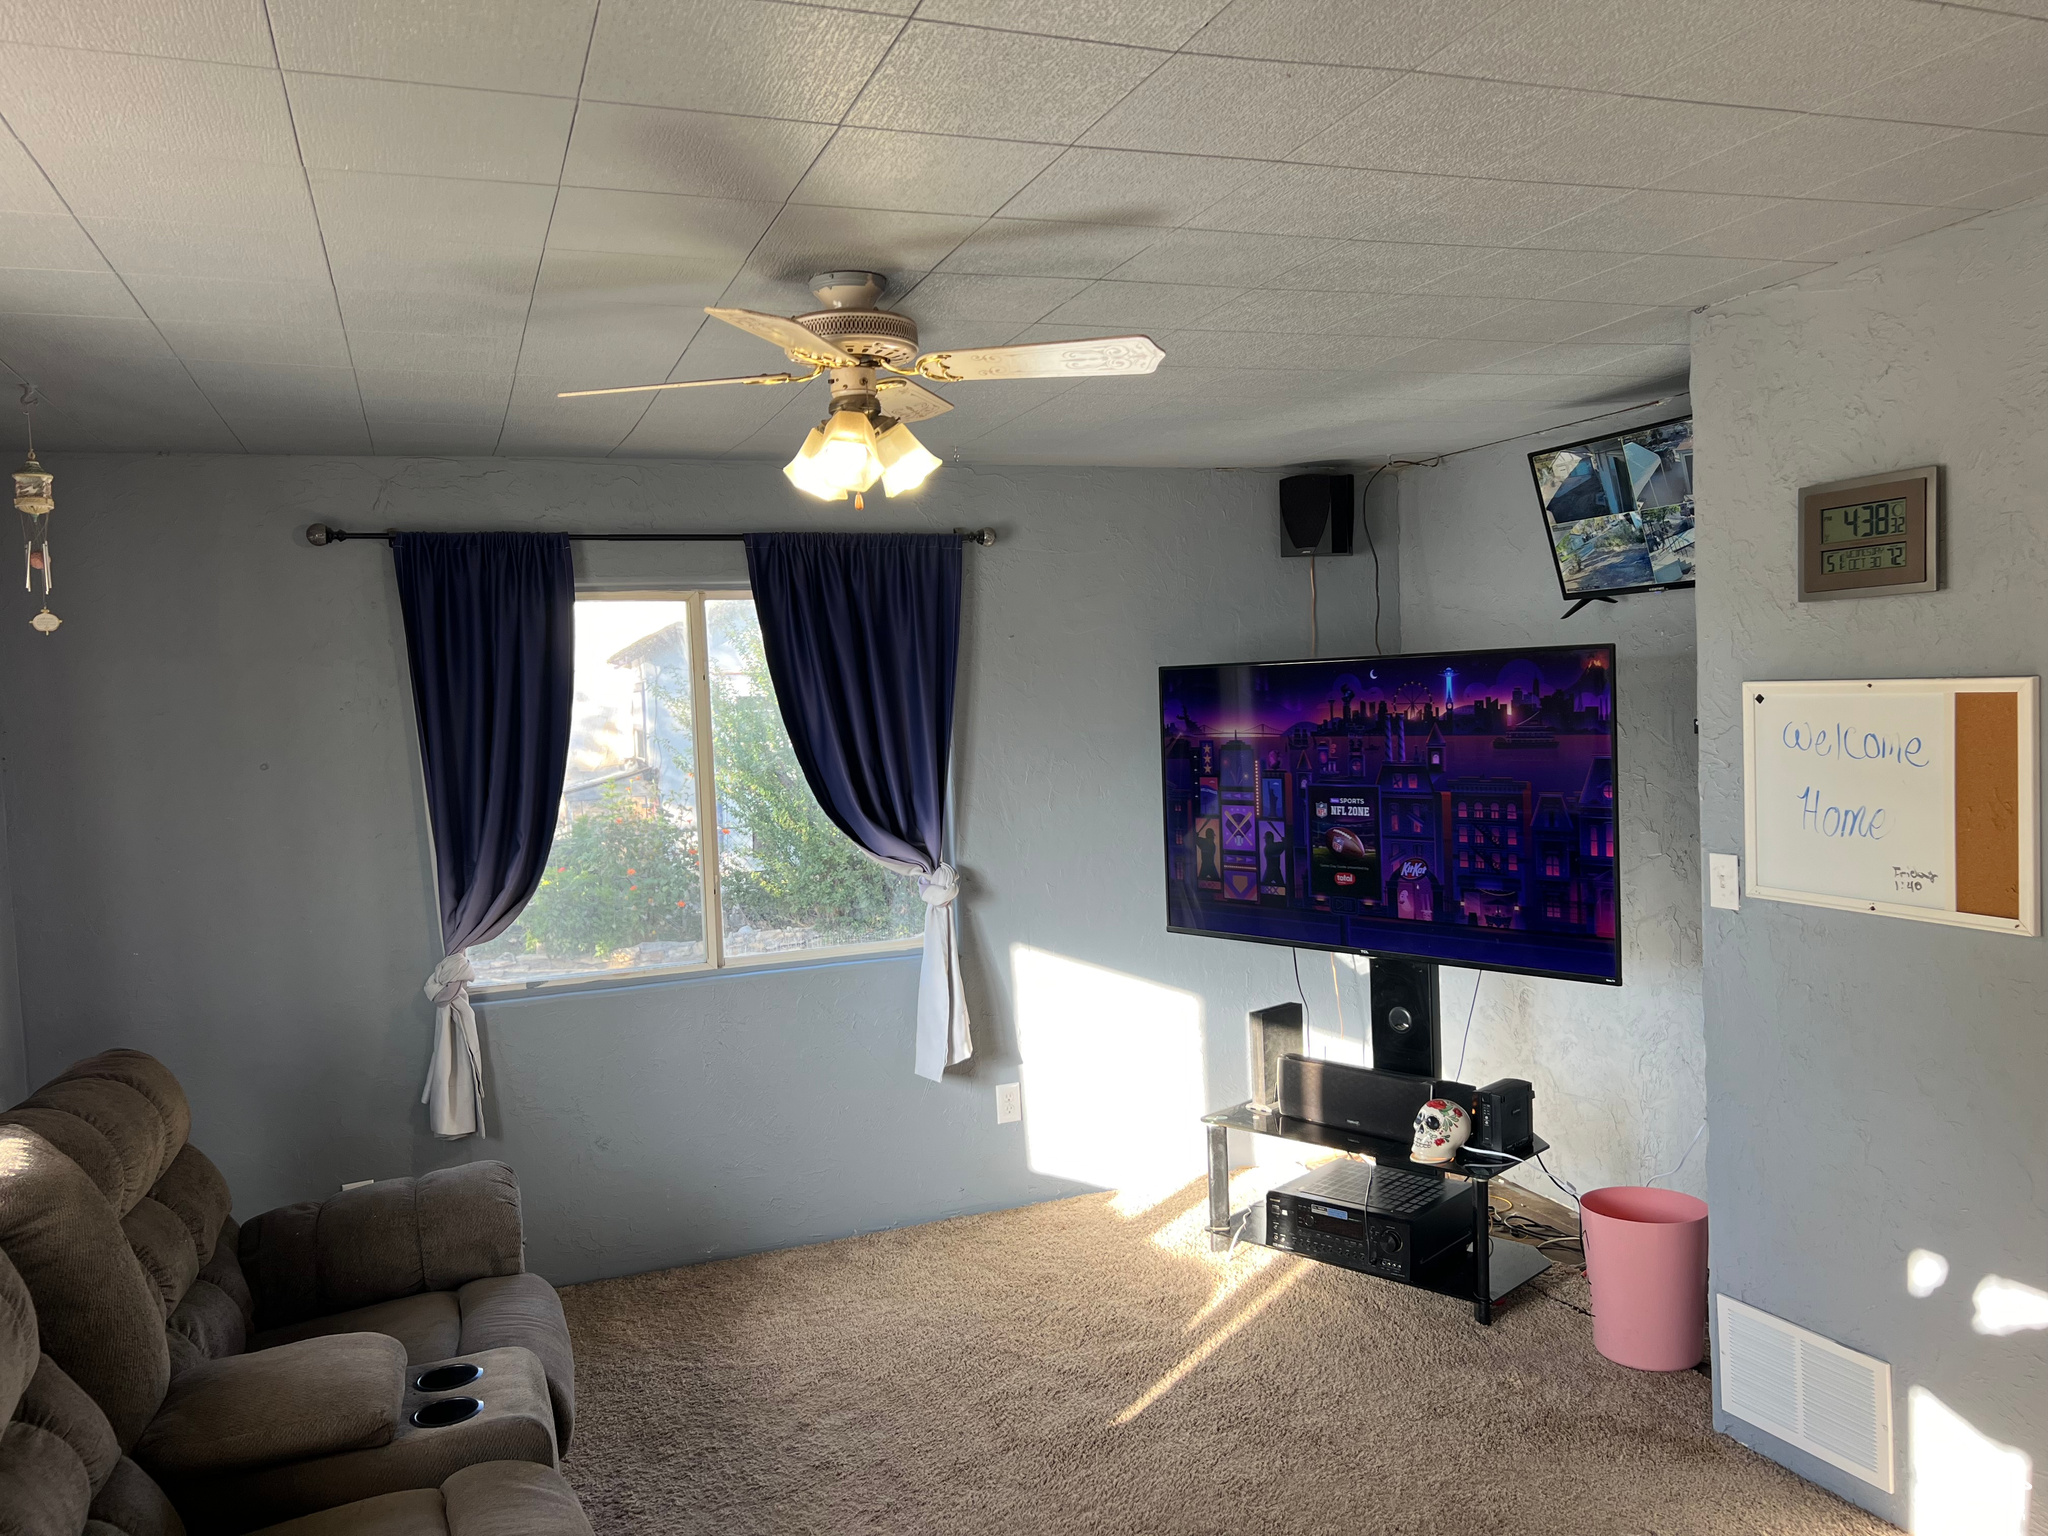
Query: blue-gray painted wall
[[211, 778], [1876, 1085]]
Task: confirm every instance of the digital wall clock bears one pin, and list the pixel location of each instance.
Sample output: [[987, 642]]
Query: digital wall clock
[[1872, 536]]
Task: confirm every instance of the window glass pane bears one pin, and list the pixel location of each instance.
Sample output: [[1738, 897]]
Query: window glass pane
[[622, 889], [788, 878]]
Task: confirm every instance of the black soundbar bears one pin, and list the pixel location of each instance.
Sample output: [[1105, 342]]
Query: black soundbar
[[1362, 1099]]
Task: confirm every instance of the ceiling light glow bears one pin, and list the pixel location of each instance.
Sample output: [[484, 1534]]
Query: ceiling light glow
[[906, 463], [844, 456]]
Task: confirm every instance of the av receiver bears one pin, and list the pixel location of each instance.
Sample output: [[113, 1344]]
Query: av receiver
[[1385, 1221]]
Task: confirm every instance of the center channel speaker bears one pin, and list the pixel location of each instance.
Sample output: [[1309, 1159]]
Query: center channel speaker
[[1404, 1018]]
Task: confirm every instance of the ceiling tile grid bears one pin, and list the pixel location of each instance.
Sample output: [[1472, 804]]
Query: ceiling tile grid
[[1357, 226]]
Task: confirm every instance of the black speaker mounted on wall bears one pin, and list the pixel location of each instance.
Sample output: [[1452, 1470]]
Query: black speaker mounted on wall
[[1404, 1017], [1315, 515]]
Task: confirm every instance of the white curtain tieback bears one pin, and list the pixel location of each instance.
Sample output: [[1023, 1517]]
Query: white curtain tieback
[[940, 888], [451, 977]]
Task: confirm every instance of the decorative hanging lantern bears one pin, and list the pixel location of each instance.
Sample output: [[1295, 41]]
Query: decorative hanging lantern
[[32, 499]]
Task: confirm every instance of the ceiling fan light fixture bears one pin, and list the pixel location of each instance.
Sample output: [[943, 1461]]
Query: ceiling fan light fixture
[[906, 463], [807, 475]]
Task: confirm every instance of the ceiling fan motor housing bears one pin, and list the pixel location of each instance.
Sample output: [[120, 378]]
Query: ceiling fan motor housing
[[865, 333]]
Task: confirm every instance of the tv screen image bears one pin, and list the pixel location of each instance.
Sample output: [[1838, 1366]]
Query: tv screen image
[[1619, 510], [1456, 807]]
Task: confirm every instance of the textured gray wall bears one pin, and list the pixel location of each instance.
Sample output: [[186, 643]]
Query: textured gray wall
[[13, 1038], [212, 772], [1855, 1061], [1619, 1071]]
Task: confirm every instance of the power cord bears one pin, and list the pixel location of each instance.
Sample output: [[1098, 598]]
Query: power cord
[[1295, 955], [1696, 1135], [1478, 981], [1372, 547]]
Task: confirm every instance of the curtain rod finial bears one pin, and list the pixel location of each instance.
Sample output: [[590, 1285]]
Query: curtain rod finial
[[319, 534], [982, 536]]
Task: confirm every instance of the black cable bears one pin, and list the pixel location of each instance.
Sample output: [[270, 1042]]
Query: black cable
[[1296, 954], [1365, 517], [1478, 980]]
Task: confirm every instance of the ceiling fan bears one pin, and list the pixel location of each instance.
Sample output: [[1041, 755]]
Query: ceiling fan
[[871, 358]]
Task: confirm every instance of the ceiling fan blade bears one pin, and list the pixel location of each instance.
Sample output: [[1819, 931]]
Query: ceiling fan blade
[[909, 402], [788, 335], [641, 389], [1046, 359]]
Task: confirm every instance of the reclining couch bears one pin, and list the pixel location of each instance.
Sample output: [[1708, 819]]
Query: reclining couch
[[380, 1362]]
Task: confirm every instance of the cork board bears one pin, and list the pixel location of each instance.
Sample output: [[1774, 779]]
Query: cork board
[[1907, 797]]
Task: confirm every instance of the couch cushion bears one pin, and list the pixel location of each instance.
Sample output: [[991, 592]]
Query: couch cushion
[[98, 1315], [313, 1398], [44, 1490], [133, 1504], [414, 1512], [224, 1269], [428, 1325], [209, 1321], [198, 1192], [524, 1310], [56, 1403], [512, 1498], [19, 1349], [153, 1080], [164, 1248]]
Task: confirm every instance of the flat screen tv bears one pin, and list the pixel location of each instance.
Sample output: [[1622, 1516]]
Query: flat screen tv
[[1456, 807], [1619, 510]]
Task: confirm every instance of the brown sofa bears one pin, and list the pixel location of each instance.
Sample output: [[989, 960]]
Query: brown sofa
[[178, 1371]]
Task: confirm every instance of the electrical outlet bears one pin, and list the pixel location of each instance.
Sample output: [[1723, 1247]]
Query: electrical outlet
[[1724, 881], [1009, 1103]]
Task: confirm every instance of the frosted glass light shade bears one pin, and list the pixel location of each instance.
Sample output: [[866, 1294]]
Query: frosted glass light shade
[[806, 474], [906, 463]]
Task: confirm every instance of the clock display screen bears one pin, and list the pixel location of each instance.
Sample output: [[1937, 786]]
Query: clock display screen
[[1868, 557], [1864, 520]]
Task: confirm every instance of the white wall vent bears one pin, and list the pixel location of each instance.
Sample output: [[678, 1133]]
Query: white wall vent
[[1808, 1391]]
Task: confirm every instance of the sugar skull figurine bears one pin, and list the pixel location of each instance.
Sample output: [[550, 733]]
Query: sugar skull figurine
[[1441, 1127]]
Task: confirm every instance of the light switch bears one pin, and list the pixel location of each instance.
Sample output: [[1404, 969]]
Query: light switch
[[1724, 881]]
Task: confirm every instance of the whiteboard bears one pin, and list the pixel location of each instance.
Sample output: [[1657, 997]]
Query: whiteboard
[[1850, 797]]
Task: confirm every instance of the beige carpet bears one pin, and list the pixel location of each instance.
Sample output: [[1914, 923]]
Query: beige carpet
[[1080, 1367]]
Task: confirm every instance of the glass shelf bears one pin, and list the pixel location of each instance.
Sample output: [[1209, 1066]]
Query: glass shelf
[[1478, 1167]]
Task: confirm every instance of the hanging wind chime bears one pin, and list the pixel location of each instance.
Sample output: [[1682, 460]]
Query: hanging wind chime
[[33, 501]]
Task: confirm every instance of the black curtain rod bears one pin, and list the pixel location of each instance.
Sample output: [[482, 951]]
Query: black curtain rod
[[321, 534]]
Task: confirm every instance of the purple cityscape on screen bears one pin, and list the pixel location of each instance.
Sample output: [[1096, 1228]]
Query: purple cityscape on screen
[[1456, 808]]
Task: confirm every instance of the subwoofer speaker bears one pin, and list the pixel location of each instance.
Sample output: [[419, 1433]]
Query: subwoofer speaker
[[1315, 515], [1404, 1018]]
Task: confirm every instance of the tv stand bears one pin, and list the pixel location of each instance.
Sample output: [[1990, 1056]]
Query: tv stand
[[1480, 1272], [1575, 607]]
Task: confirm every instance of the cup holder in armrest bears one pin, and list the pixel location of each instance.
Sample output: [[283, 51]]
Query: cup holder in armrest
[[443, 1411], [445, 1378]]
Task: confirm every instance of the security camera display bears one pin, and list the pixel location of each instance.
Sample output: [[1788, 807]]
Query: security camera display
[[1455, 807], [1619, 510]]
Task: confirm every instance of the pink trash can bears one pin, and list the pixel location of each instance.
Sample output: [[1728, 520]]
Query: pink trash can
[[1646, 1256]]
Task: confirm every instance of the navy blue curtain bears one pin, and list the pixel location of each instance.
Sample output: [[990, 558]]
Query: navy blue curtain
[[490, 635], [862, 635]]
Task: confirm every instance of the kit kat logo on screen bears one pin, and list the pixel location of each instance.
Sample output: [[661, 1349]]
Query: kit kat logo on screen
[[1414, 869]]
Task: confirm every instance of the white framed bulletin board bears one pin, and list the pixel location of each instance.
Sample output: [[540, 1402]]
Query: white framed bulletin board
[[1908, 797]]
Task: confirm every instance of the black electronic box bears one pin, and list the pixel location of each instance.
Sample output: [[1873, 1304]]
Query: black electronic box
[[1503, 1116], [1385, 1221], [1362, 1099]]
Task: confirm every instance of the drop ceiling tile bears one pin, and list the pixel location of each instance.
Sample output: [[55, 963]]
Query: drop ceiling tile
[[49, 240], [302, 436], [362, 209], [72, 342], [1380, 205], [1251, 109], [1608, 361], [37, 291], [409, 437], [1318, 354], [699, 154], [715, 233], [1110, 303], [1398, 34], [428, 130], [1945, 172], [1655, 326], [1634, 141], [746, 56], [480, 311], [203, 299], [804, 240], [1521, 272], [962, 309], [416, 351], [1114, 186], [921, 172], [1546, 320], [280, 388], [118, 104], [1601, 45], [1827, 54], [222, 31], [2035, 120], [23, 186], [1034, 248], [1004, 85], [1768, 275], [1658, 279], [1801, 154], [1221, 257], [1379, 266], [2005, 194], [1643, 222], [182, 249], [621, 347], [1140, 23], [1456, 356], [1360, 314], [242, 193], [220, 341], [1919, 221], [1791, 228], [1449, 126], [688, 422], [535, 45]]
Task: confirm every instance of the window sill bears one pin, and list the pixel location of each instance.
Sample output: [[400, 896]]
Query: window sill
[[788, 960]]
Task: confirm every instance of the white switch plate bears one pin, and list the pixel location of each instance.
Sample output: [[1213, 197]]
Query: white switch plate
[[1009, 1103], [1724, 881]]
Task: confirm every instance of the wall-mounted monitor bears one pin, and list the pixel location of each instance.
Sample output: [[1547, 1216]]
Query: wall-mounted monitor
[[1455, 807], [1618, 510]]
